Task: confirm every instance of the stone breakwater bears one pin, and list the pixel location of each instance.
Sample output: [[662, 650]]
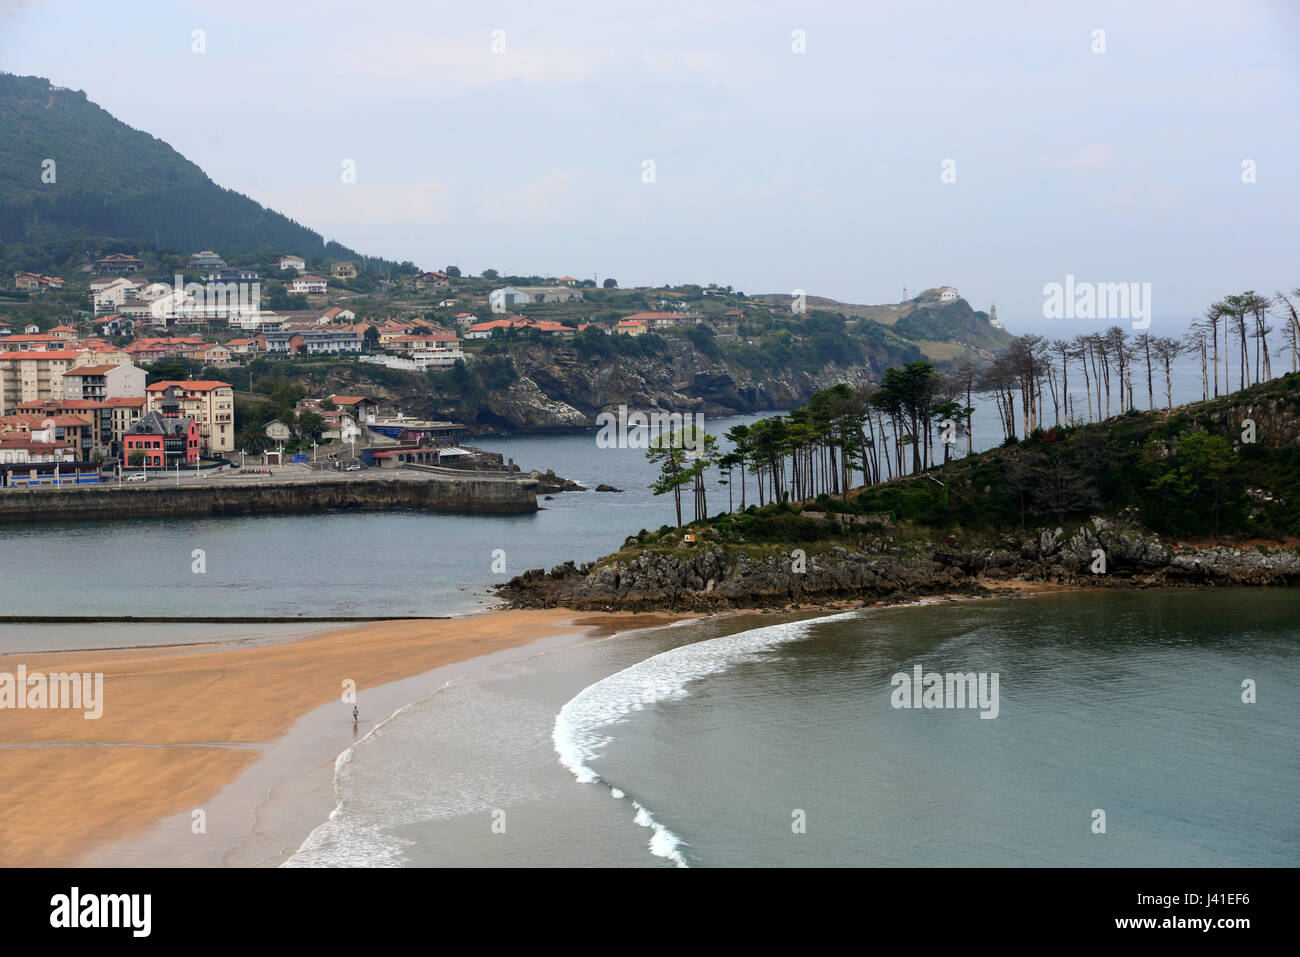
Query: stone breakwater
[[714, 577], [475, 495]]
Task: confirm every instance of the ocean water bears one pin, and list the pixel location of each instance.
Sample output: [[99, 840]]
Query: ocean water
[[765, 742], [336, 563], [359, 564]]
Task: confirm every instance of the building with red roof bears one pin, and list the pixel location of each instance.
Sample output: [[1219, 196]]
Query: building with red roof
[[209, 402]]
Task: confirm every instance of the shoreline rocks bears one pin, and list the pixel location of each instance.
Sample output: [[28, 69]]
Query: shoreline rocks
[[715, 577]]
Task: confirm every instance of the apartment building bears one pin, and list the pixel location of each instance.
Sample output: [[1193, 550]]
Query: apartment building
[[103, 381], [97, 417], [210, 403], [123, 413], [32, 376]]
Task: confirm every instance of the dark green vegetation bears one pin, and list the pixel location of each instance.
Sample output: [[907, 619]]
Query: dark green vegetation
[[763, 339], [1227, 467], [110, 180], [950, 321], [1194, 471]]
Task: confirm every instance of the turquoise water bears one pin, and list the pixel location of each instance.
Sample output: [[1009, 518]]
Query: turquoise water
[[695, 746], [1128, 703]]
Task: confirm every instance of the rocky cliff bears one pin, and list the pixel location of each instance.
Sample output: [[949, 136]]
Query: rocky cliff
[[558, 389], [1098, 553]]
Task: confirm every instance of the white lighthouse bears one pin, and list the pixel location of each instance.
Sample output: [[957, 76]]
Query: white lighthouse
[[994, 321]]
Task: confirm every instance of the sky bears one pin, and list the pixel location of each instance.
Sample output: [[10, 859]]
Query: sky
[[850, 149]]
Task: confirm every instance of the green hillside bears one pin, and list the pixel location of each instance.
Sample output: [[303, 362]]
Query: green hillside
[[115, 181], [954, 322]]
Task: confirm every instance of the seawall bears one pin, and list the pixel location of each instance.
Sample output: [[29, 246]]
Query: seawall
[[474, 495]]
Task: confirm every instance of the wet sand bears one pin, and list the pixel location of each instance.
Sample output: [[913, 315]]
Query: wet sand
[[181, 724]]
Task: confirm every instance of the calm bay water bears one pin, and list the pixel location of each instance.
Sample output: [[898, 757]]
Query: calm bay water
[[338, 563], [357, 564], [698, 747]]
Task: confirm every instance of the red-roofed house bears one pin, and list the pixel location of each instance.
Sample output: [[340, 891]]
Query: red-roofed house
[[33, 341], [242, 348], [363, 409], [119, 262], [124, 412], [114, 325], [210, 402], [163, 436], [660, 320]]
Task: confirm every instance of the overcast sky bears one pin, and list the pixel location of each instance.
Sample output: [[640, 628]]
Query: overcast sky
[[773, 169]]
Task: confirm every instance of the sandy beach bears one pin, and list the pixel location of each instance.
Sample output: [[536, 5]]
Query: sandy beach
[[180, 723]]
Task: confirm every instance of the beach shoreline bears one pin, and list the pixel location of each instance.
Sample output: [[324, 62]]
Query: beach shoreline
[[181, 723], [249, 736]]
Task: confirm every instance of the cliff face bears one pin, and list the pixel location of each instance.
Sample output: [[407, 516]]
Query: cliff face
[[558, 389], [713, 578]]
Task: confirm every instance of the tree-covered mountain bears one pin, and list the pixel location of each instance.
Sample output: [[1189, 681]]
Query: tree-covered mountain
[[68, 166]]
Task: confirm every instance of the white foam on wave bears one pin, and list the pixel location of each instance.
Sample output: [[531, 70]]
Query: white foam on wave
[[580, 728], [663, 842]]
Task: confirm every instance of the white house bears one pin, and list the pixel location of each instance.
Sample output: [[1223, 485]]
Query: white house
[[947, 294], [501, 300], [207, 259], [325, 341], [310, 285], [291, 262], [112, 296]]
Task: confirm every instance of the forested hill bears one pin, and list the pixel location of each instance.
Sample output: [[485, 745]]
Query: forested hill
[[114, 181]]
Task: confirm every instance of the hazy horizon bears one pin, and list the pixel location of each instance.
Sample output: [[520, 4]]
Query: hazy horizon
[[513, 137]]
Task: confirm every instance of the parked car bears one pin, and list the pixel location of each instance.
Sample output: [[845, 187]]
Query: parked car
[[353, 468], [137, 477]]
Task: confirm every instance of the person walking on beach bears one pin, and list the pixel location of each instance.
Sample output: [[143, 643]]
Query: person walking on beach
[[355, 712]]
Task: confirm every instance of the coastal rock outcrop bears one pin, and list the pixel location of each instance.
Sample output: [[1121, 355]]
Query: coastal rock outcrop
[[714, 576]]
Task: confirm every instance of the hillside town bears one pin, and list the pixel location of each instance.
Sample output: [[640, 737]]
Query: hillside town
[[124, 369], [79, 404]]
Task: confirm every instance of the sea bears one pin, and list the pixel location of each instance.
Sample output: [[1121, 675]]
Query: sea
[[1123, 737], [1139, 728]]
